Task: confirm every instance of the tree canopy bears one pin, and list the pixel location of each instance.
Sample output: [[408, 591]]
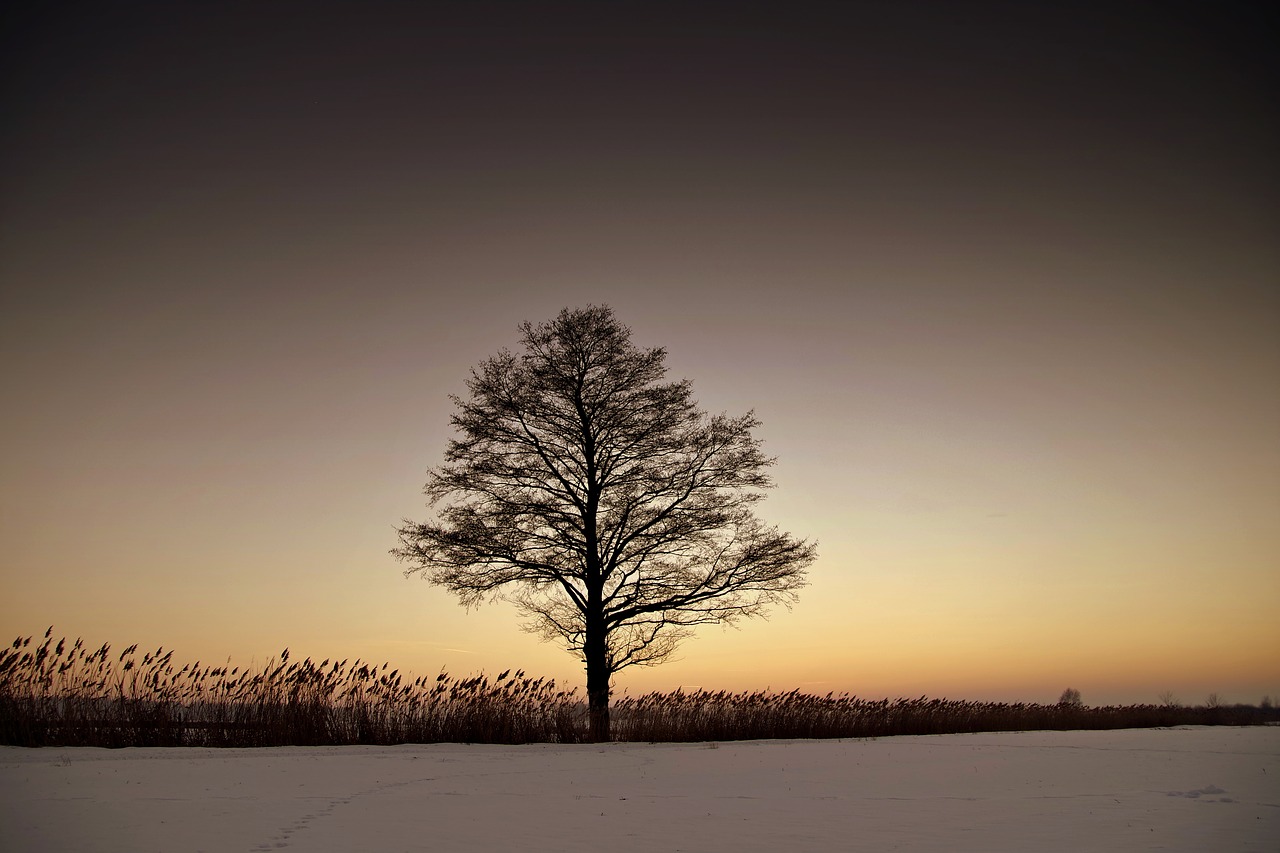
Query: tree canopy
[[602, 501]]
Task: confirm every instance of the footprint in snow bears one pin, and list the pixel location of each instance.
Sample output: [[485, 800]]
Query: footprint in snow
[[1194, 795]]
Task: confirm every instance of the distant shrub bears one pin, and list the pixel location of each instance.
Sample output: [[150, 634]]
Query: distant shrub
[[1070, 696]]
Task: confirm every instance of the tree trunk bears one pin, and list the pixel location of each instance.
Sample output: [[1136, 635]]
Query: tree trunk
[[597, 683]]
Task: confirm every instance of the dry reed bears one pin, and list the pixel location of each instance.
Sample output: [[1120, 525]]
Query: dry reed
[[708, 716], [60, 694]]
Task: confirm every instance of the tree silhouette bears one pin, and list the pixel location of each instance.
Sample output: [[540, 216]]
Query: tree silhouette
[[602, 502]]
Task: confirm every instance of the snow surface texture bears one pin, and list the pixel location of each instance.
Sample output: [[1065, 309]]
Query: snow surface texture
[[1178, 789]]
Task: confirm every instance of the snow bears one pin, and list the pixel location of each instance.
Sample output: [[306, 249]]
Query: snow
[[1187, 789]]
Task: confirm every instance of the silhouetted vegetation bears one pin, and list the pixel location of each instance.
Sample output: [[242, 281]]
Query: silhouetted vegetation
[[60, 694], [602, 502], [66, 695], [702, 715]]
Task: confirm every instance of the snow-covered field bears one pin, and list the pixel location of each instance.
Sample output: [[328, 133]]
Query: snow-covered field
[[1202, 789]]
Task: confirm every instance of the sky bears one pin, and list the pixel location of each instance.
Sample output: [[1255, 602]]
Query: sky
[[1001, 284]]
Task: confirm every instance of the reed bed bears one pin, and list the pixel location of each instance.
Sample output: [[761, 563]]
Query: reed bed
[[711, 716], [60, 694], [57, 694]]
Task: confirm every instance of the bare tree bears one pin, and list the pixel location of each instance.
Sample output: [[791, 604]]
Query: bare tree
[[1070, 696], [602, 502]]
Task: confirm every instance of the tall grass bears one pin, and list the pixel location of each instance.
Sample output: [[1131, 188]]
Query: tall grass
[[704, 715], [60, 694]]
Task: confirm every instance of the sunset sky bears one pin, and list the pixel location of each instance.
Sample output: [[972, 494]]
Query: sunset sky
[[1002, 285]]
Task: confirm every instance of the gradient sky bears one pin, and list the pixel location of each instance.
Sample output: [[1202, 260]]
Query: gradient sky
[[1003, 286]]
